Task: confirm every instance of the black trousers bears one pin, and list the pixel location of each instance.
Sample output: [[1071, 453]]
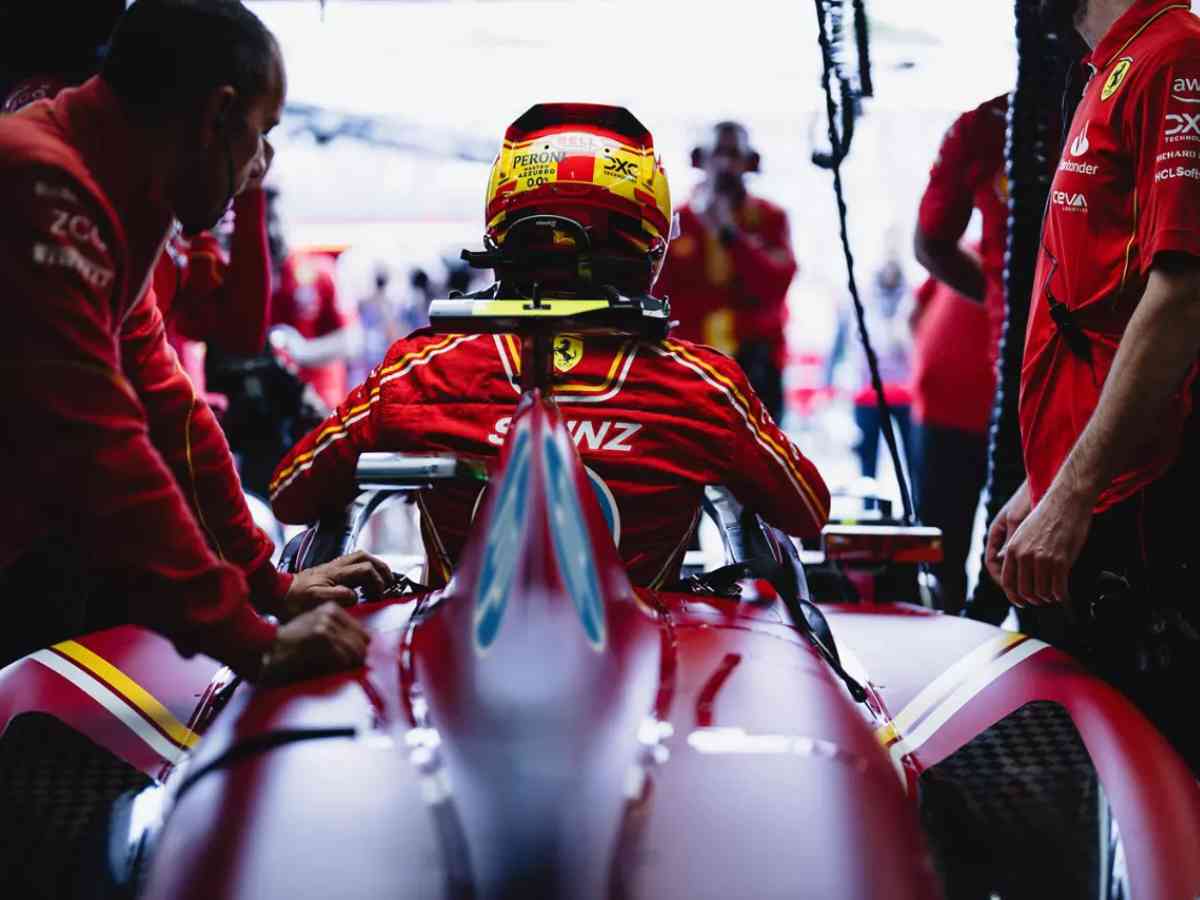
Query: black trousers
[[757, 360], [951, 469], [1134, 615]]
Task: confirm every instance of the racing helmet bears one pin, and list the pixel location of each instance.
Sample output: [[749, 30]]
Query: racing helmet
[[592, 170]]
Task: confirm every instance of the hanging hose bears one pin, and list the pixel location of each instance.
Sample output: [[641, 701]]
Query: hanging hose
[[1044, 56], [829, 32]]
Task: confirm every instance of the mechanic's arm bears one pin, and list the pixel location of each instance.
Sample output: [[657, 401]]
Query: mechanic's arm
[[951, 264], [317, 475], [765, 265], [1161, 341], [184, 430], [228, 303], [82, 456], [945, 211], [767, 472]]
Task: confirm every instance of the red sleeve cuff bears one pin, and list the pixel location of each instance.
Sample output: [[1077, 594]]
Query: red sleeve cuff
[[1171, 240], [239, 641], [268, 586]]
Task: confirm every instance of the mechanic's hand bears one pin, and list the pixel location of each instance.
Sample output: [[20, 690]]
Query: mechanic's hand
[[1040, 553], [322, 640], [335, 582], [1010, 517]]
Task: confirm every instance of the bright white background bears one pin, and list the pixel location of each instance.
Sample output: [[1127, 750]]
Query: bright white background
[[444, 79]]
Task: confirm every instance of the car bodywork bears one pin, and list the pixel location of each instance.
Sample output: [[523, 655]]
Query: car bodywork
[[540, 727]]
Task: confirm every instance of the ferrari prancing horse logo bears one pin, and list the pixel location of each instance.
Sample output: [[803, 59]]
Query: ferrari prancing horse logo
[[1117, 77], [568, 351]]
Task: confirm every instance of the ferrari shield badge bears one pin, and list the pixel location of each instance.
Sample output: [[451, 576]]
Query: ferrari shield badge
[[1117, 77], [568, 351]]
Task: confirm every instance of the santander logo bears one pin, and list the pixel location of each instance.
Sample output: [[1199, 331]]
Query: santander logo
[[1080, 145]]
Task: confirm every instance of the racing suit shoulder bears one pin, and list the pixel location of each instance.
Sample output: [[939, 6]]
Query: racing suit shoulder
[[763, 467]]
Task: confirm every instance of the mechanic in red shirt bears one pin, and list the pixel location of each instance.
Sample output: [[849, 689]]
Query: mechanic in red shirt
[[731, 264], [654, 422], [309, 324], [953, 382], [968, 174], [103, 423], [1106, 403]]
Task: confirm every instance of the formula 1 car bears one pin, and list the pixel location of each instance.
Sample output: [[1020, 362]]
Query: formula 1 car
[[541, 728]]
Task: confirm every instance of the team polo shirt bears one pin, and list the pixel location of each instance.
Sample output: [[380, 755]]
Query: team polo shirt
[[1127, 189], [968, 174]]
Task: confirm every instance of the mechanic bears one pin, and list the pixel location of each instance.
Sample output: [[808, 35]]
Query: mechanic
[[309, 323], [730, 267], [655, 422], [97, 526], [953, 383], [968, 174], [1106, 405]]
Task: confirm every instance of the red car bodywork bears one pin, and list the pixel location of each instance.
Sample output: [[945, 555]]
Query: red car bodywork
[[540, 727]]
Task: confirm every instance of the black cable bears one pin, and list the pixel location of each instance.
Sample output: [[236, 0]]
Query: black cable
[[829, 61], [1045, 60], [866, 86]]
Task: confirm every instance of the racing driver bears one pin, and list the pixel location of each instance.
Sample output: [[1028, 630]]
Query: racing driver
[[654, 421], [97, 527], [1106, 405]]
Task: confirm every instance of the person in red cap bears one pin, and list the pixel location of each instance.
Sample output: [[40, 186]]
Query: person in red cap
[[1106, 407], [731, 264], [654, 421], [106, 433]]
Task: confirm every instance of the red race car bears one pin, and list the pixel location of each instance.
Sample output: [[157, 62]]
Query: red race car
[[541, 728]]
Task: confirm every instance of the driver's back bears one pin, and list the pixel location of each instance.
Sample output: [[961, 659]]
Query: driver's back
[[654, 423]]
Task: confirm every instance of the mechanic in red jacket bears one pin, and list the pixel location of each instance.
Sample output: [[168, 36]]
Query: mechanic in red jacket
[[1106, 405], [654, 422], [105, 429], [731, 264]]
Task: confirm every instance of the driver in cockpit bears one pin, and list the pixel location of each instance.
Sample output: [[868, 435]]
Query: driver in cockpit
[[654, 422]]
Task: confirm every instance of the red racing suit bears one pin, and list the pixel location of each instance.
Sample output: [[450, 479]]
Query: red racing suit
[[725, 295], [654, 423], [107, 442]]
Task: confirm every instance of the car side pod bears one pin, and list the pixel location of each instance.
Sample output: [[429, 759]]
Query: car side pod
[[539, 670]]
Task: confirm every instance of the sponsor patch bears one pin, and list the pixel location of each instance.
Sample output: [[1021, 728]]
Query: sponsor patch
[[1080, 145], [1078, 168], [568, 351], [1116, 77], [1069, 200], [1185, 85], [1177, 172], [1180, 125], [68, 257]]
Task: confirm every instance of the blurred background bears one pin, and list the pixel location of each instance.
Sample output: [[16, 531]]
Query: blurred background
[[396, 109]]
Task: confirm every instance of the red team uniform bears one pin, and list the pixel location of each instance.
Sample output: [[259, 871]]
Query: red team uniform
[[108, 446], [1127, 189], [307, 299], [968, 174], [654, 422], [728, 295]]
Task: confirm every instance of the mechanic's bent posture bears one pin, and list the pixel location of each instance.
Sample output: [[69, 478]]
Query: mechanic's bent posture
[[173, 127], [1110, 362], [654, 422]]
